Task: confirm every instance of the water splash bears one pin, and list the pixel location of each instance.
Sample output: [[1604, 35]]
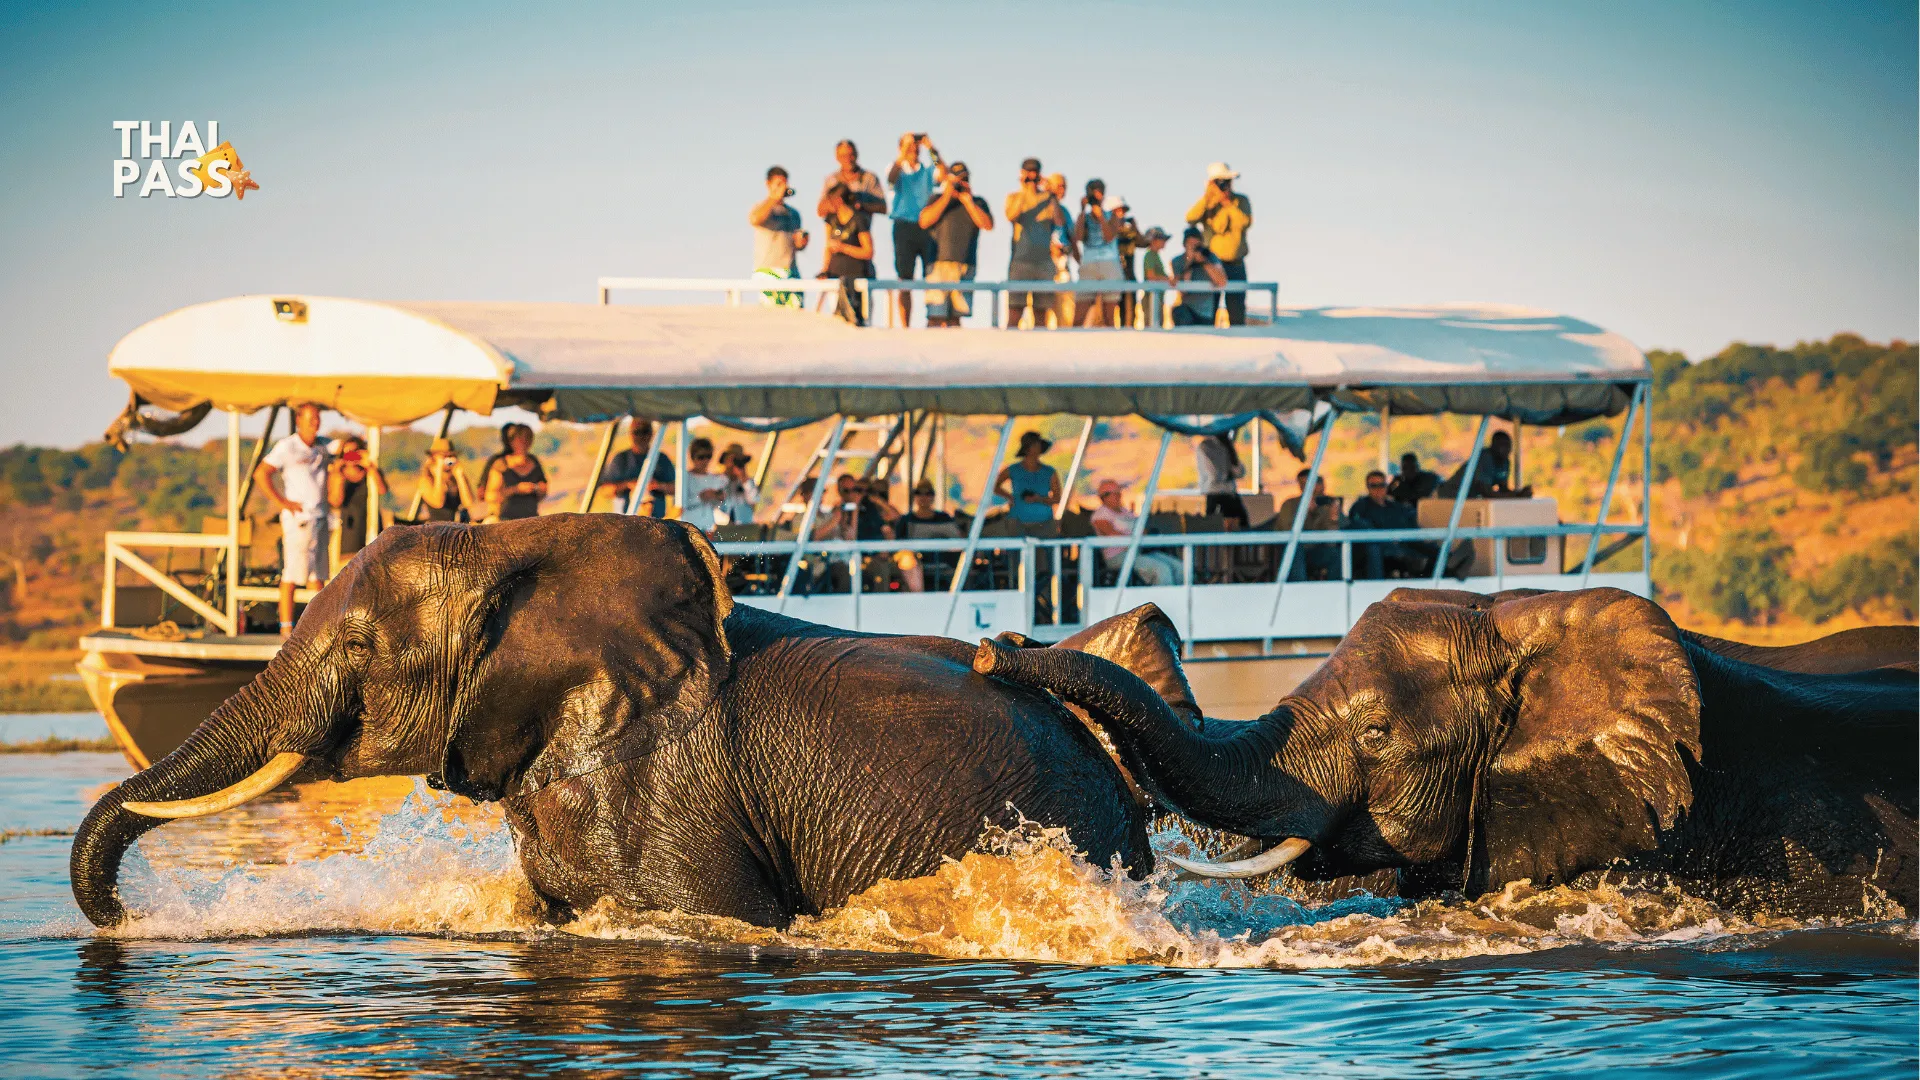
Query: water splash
[[440, 865]]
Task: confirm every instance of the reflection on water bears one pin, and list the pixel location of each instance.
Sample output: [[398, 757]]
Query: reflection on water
[[371, 928]]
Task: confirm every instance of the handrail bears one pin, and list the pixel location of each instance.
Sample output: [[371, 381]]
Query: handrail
[[733, 287], [1253, 538], [117, 554]]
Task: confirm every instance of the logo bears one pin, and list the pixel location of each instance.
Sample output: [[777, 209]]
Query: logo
[[216, 173]]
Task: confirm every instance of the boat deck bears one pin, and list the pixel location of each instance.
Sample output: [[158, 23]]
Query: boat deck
[[255, 648]]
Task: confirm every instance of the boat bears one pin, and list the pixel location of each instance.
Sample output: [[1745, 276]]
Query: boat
[[1251, 627]]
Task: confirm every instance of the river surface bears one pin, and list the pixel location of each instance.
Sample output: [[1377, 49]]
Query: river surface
[[379, 929]]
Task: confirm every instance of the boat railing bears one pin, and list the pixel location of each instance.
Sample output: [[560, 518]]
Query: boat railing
[[1150, 295]]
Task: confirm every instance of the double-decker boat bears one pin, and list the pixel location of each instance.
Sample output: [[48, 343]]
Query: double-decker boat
[[885, 395]]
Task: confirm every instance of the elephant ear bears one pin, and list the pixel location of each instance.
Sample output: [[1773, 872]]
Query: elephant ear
[[608, 642], [1145, 642], [1603, 701]]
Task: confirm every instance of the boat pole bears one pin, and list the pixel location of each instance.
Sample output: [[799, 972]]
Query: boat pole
[[965, 567], [228, 564], [680, 469], [760, 474], [1613, 478], [1460, 498], [1646, 491], [593, 481], [831, 451], [1140, 520], [232, 551], [1073, 470], [446, 423], [373, 484], [1299, 520]]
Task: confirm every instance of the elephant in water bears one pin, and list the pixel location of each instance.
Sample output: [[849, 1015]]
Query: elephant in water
[[649, 740], [1466, 742]]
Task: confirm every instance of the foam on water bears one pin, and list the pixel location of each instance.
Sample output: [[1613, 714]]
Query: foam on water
[[439, 865]]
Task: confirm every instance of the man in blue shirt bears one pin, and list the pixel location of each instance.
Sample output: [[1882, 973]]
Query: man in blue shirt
[[913, 185], [1373, 561], [623, 472]]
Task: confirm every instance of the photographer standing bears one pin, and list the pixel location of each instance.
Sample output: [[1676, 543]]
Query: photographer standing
[[863, 188], [777, 237], [913, 185], [955, 221], [1033, 213], [1098, 232], [1224, 217], [849, 250]]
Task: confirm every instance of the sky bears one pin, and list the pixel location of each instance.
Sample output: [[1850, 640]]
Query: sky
[[1684, 174]]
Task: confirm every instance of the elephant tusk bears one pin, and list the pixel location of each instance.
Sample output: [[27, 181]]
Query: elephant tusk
[[1278, 856], [266, 779]]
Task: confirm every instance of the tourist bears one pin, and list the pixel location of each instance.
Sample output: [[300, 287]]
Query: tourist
[[705, 489], [1413, 483], [1152, 266], [777, 237], [912, 184], [955, 220], [863, 188], [1129, 240], [623, 471], [849, 251], [1224, 217], [1110, 518], [1031, 489], [1096, 234], [1218, 465], [1319, 562], [857, 518], [1378, 511], [347, 480], [738, 496], [294, 476], [1196, 306], [515, 482], [1492, 475], [1031, 212], [923, 522], [1062, 252], [444, 492]]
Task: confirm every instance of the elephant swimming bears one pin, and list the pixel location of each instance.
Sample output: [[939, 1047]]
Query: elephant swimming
[[1466, 742], [649, 740]]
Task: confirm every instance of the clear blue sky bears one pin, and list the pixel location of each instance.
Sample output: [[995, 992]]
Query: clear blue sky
[[1687, 174]]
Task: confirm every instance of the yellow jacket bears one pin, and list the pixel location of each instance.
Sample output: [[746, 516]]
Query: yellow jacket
[[1225, 228]]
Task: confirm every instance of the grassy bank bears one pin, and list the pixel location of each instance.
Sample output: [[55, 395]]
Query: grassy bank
[[28, 683]]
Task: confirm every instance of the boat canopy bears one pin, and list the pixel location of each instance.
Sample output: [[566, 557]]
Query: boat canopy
[[384, 362]]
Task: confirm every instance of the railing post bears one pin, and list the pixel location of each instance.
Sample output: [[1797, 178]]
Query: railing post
[[1646, 489], [373, 488], [593, 481], [1073, 470], [1300, 518], [1140, 521], [1613, 478], [800, 539], [637, 498], [106, 590], [680, 469], [965, 568], [1460, 498], [232, 551]]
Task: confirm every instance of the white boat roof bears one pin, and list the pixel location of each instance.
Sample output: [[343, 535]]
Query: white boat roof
[[394, 362]]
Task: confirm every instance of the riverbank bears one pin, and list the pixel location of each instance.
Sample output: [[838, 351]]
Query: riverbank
[[41, 681]]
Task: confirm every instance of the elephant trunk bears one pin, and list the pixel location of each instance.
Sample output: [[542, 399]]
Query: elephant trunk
[[228, 750], [1224, 775]]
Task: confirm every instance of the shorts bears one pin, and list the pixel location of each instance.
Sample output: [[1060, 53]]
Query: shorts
[[1017, 301], [1101, 271], [781, 299], [303, 549], [912, 244], [944, 304]]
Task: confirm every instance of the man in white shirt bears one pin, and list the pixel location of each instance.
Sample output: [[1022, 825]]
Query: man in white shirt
[[294, 476], [1112, 519]]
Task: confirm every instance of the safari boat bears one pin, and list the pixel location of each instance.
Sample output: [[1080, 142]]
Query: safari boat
[[176, 639]]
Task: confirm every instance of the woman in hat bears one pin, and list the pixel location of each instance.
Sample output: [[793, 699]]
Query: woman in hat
[[445, 493], [738, 496], [1031, 488]]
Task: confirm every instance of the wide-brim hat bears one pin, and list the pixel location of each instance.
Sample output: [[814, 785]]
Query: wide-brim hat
[[924, 487], [1030, 437], [440, 446], [1219, 171], [733, 452]]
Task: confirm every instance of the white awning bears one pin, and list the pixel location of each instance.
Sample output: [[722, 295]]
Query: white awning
[[395, 362]]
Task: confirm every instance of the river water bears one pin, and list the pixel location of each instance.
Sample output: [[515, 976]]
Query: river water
[[377, 928]]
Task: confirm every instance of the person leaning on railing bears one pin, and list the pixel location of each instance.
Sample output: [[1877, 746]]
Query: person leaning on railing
[[1196, 307], [955, 220], [444, 491], [1224, 217], [1317, 562]]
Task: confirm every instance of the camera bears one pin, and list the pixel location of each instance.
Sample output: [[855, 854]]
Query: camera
[[920, 135], [788, 195]]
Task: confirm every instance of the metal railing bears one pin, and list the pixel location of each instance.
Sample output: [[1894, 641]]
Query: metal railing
[[1150, 295]]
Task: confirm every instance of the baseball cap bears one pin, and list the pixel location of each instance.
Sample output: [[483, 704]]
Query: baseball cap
[[959, 169], [1106, 486], [1032, 164]]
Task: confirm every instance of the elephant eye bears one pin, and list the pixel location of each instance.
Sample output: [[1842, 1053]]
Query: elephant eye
[[359, 646], [1374, 734]]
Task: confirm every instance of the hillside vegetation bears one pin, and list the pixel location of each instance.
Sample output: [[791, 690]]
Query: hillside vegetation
[[1783, 487]]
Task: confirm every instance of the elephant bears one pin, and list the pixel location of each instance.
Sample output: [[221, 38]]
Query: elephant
[[1465, 744], [648, 739]]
